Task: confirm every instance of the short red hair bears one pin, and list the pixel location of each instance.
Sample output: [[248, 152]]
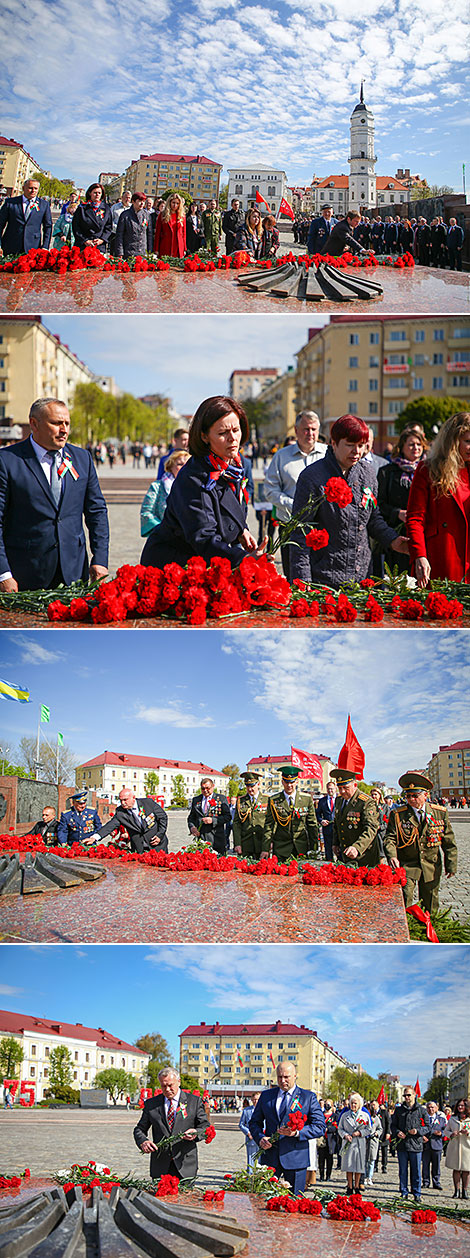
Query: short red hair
[[351, 428]]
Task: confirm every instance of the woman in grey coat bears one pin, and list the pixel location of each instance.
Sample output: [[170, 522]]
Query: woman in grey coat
[[131, 230], [348, 556], [354, 1127]]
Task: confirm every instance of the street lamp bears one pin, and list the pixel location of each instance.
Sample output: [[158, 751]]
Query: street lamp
[[4, 753]]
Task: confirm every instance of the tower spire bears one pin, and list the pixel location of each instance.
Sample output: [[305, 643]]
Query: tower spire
[[362, 91]]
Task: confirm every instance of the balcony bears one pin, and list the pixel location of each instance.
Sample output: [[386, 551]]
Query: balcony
[[396, 347], [460, 365], [395, 369]]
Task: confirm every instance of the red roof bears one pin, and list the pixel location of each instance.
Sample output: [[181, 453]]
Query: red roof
[[178, 157], [456, 747], [255, 371], [147, 762], [17, 1023], [388, 181], [338, 181], [248, 1028]]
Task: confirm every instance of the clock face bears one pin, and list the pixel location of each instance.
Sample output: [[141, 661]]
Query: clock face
[[362, 121]]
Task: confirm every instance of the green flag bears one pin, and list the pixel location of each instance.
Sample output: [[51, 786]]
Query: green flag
[[45, 714], [60, 740]]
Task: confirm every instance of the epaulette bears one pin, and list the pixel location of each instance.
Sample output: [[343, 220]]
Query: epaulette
[[400, 808], [362, 795]]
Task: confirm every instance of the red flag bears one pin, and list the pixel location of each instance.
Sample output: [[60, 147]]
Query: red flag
[[417, 1087], [260, 198], [285, 208], [309, 764], [272, 1059], [351, 755], [381, 1096]]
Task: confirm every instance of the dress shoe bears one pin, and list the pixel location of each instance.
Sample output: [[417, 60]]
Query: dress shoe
[[437, 1187], [417, 1199]]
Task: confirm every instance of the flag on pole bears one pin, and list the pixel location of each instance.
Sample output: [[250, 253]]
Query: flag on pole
[[60, 740], [259, 198], [285, 208], [45, 714], [213, 1059], [381, 1096], [9, 691], [272, 1061], [239, 1059], [308, 764], [351, 755], [417, 1087]]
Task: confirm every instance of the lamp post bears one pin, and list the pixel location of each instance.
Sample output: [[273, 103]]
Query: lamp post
[[4, 753]]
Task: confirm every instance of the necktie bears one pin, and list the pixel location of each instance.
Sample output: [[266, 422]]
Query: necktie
[[171, 1114], [283, 1110], [205, 805], [28, 209], [55, 482]]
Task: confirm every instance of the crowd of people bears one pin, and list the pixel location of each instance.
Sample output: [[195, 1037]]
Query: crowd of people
[[138, 224]]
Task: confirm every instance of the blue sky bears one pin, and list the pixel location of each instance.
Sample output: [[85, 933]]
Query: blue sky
[[90, 89], [144, 352], [389, 1007], [226, 695]]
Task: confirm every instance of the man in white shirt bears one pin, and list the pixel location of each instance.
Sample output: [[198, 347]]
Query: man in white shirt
[[285, 468]]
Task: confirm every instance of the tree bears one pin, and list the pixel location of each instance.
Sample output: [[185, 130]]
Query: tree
[[57, 189], [48, 756], [437, 1090], [223, 197], [235, 785], [430, 412], [187, 198], [14, 770], [151, 781], [115, 1080], [180, 795], [11, 1056], [60, 1072], [155, 1044], [97, 416], [189, 1083]]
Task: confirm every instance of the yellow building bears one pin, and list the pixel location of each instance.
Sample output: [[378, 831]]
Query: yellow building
[[16, 165], [449, 770], [248, 382], [91, 1049], [111, 771], [34, 364], [459, 1081], [155, 173], [279, 411], [373, 365], [269, 769], [243, 1058]]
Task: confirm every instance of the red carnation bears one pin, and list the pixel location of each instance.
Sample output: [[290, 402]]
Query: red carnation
[[337, 490], [210, 1134], [317, 539]]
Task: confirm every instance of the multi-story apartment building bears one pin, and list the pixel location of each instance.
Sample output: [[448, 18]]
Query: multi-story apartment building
[[449, 770], [91, 1049], [373, 365], [34, 363], [278, 402], [459, 1080], [16, 165], [269, 769], [243, 1057], [247, 382], [156, 173], [245, 181], [109, 772], [445, 1066]]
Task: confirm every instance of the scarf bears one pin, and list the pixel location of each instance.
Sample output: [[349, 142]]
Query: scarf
[[407, 470], [98, 210], [233, 473]]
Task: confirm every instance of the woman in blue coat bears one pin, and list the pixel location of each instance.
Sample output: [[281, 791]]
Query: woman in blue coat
[[207, 505]]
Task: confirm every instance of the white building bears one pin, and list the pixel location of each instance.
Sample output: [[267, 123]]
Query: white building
[[245, 181], [362, 189], [109, 772], [91, 1049]]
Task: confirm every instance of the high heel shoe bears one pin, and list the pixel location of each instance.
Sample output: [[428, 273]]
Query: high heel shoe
[[464, 1194]]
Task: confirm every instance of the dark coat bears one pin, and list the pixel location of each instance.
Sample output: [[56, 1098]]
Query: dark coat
[[46, 830], [438, 528], [155, 823], [319, 235], [197, 521], [231, 222], [341, 238], [390, 235], [355, 825], [131, 235], [348, 555], [324, 813], [376, 235], [219, 832], [35, 535], [183, 1153], [195, 238], [293, 1150], [87, 227], [394, 489], [18, 234], [414, 1118]]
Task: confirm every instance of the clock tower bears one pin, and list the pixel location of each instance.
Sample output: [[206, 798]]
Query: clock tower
[[362, 178]]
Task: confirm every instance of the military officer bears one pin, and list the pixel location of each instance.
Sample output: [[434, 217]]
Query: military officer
[[356, 823], [249, 818], [416, 832], [79, 822], [47, 828], [291, 827]]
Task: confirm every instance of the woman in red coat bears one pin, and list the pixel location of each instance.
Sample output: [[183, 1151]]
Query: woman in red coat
[[170, 231], [438, 515]]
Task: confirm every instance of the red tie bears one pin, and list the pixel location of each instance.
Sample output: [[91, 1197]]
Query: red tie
[[171, 1114]]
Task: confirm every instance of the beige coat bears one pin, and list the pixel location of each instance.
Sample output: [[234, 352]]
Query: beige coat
[[458, 1148]]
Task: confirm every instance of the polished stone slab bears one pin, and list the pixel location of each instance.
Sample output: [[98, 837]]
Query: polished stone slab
[[423, 290], [255, 620], [135, 904]]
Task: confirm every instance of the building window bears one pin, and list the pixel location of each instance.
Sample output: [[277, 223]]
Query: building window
[[352, 386], [398, 335], [374, 338], [352, 411], [437, 382], [373, 386], [419, 360], [87, 1056], [438, 360], [373, 408], [374, 360], [75, 1074], [33, 1050], [102, 1059], [46, 1051], [438, 334], [86, 1075], [75, 1057], [32, 1071], [353, 362], [354, 338], [417, 382], [419, 335]]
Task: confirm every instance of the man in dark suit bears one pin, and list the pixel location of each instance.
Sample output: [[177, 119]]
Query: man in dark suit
[[47, 828], [319, 232], [210, 817], [46, 487], [289, 1156], [432, 1147], [325, 818], [172, 1113], [25, 221], [143, 819]]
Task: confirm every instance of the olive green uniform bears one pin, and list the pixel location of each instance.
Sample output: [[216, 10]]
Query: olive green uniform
[[248, 823], [418, 848], [291, 828], [356, 824]]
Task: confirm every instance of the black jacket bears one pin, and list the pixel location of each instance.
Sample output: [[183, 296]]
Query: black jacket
[[415, 1118], [87, 227], [131, 235], [195, 238], [197, 521], [154, 825], [46, 830], [231, 222], [218, 833], [190, 1114], [341, 238]]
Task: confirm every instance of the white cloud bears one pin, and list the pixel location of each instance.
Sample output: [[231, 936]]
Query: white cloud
[[32, 651], [6, 990], [170, 714]]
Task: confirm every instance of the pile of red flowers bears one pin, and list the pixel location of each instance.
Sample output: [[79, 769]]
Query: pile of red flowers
[[345, 875], [90, 1176], [74, 259], [352, 1208], [190, 594], [168, 1186], [232, 261], [423, 1216], [211, 1195], [340, 606], [436, 607], [14, 1181], [292, 1205], [210, 1134]]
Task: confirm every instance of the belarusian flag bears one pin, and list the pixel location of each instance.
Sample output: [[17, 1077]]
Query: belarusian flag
[[271, 1058], [260, 198], [239, 1059]]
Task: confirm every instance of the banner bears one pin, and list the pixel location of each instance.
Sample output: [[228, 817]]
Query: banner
[[381, 1096], [60, 740], [260, 198], [351, 755], [9, 691], [285, 208], [308, 764], [45, 714]]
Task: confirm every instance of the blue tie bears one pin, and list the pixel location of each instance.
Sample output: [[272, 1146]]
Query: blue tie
[[55, 481], [284, 1106]]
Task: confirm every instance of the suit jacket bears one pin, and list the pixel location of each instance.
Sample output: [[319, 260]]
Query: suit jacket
[[218, 833], [324, 813], [87, 227], [436, 1128], [190, 1113], [46, 830], [293, 1150], [155, 823], [197, 521], [356, 825], [18, 234], [418, 846], [35, 534]]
